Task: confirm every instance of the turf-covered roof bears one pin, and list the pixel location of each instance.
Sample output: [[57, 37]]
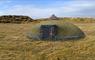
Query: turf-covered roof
[[65, 30]]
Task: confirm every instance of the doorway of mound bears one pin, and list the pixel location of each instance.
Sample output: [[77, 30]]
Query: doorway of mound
[[48, 32]]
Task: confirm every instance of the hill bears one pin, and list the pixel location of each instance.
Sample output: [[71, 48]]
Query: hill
[[72, 19], [15, 19], [14, 44]]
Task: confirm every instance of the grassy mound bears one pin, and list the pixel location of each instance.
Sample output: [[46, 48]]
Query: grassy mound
[[65, 30]]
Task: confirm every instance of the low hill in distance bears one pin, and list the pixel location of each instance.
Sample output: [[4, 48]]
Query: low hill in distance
[[71, 19], [15, 19], [18, 19]]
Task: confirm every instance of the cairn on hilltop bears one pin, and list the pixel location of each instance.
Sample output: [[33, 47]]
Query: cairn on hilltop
[[15, 19], [53, 17]]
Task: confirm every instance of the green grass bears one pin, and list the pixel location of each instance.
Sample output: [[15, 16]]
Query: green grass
[[14, 45]]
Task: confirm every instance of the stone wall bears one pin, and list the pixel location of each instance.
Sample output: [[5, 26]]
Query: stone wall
[[15, 19]]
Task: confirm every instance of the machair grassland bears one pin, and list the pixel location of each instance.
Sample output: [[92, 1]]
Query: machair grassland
[[14, 44]]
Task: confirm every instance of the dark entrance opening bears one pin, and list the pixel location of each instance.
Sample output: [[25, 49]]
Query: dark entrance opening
[[48, 32]]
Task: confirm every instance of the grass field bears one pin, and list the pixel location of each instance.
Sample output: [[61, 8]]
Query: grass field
[[14, 45]]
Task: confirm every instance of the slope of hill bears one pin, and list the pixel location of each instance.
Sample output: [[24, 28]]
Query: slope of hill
[[14, 45]]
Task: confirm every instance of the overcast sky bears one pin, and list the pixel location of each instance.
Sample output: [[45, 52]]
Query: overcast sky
[[45, 8]]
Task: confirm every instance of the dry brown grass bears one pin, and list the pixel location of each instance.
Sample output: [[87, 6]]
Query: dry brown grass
[[14, 45]]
